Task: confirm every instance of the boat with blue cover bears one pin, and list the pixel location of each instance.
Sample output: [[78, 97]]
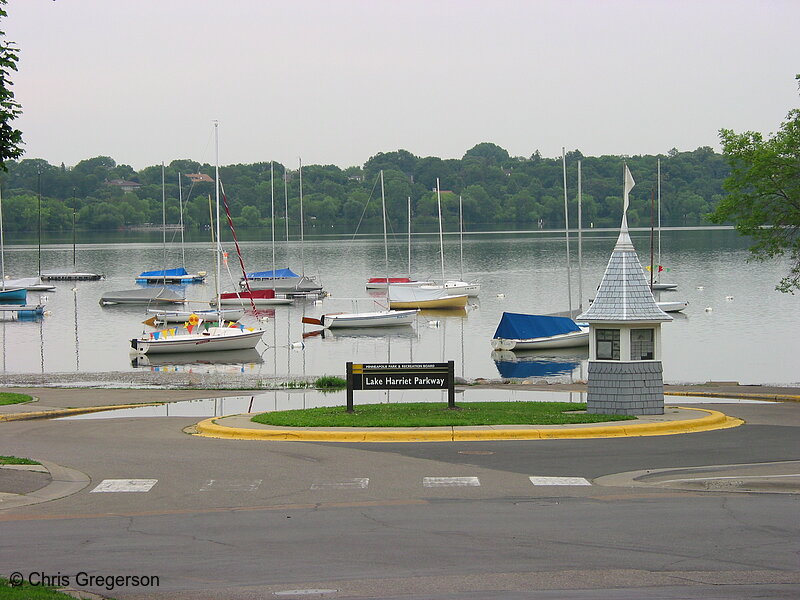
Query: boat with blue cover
[[518, 331], [179, 275]]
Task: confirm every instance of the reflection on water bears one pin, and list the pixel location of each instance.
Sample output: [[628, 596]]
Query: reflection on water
[[736, 328], [541, 364], [242, 359], [301, 399]]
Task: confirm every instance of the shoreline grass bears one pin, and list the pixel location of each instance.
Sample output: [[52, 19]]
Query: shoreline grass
[[434, 414], [15, 460], [12, 398]]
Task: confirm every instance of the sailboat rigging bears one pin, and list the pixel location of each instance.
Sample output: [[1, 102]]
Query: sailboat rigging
[[381, 318], [202, 337]]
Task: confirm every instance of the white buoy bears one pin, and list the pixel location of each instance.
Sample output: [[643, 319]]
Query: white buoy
[[298, 345], [433, 323], [317, 302]]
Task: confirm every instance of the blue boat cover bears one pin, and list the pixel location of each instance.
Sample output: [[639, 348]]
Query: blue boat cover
[[277, 273], [515, 326], [165, 273], [534, 368]]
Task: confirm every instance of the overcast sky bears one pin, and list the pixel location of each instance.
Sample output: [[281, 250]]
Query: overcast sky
[[337, 81]]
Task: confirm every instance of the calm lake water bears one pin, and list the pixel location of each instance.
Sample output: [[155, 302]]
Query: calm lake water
[[737, 327]]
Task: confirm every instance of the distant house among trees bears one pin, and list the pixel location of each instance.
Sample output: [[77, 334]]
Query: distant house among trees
[[125, 186], [199, 177]]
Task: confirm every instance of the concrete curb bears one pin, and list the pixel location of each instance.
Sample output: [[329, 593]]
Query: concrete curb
[[711, 421], [65, 482], [740, 396], [67, 412]]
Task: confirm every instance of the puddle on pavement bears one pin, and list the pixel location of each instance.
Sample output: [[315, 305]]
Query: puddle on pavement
[[299, 399]]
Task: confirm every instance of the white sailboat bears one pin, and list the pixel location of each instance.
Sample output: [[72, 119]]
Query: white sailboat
[[657, 285], [453, 286], [381, 283], [380, 318], [178, 274], [202, 337]]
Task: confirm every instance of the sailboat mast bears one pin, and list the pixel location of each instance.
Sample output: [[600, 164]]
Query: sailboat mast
[[566, 232], [659, 214], [164, 219], [286, 210], [580, 241], [272, 208], [2, 254], [441, 236], [216, 198], [40, 223], [302, 249], [461, 235], [180, 209], [385, 240], [409, 237], [74, 250]]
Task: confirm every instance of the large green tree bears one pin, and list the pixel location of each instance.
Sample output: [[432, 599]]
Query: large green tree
[[10, 138], [763, 198]]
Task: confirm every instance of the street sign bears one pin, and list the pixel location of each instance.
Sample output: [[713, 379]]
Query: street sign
[[401, 376]]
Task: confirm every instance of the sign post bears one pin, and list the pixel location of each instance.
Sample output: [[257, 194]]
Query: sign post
[[401, 376]]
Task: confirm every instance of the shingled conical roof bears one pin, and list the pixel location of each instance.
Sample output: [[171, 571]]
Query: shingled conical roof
[[624, 293]]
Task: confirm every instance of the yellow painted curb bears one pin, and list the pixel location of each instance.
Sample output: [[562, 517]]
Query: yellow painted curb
[[66, 412], [711, 421]]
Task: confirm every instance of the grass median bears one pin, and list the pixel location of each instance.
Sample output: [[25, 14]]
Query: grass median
[[431, 414], [12, 398]]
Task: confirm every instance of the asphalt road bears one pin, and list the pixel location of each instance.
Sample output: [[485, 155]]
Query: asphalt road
[[241, 519]]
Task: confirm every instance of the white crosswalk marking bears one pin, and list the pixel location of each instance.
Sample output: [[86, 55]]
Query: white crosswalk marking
[[231, 485], [450, 482], [358, 482], [559, 481], [125, 485]]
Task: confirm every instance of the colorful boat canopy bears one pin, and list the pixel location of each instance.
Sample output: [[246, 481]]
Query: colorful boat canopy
[[516, 326], [165, 273], [277, 273]]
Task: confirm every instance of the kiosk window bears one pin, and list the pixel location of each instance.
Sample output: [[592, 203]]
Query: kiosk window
[[607, 344], [642, 346]]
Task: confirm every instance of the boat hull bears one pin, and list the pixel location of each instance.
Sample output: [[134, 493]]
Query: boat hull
[[178, 279], [459, 301], [216, 339], [14, 295], [457, 287], [71, 277], [574, 339], [675, 306], [380, 284], [387, 318], [142, 296]]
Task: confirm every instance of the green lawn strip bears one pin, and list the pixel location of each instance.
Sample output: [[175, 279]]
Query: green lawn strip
[[430, 414], [26, 591], [11, 398], [13, 460]]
